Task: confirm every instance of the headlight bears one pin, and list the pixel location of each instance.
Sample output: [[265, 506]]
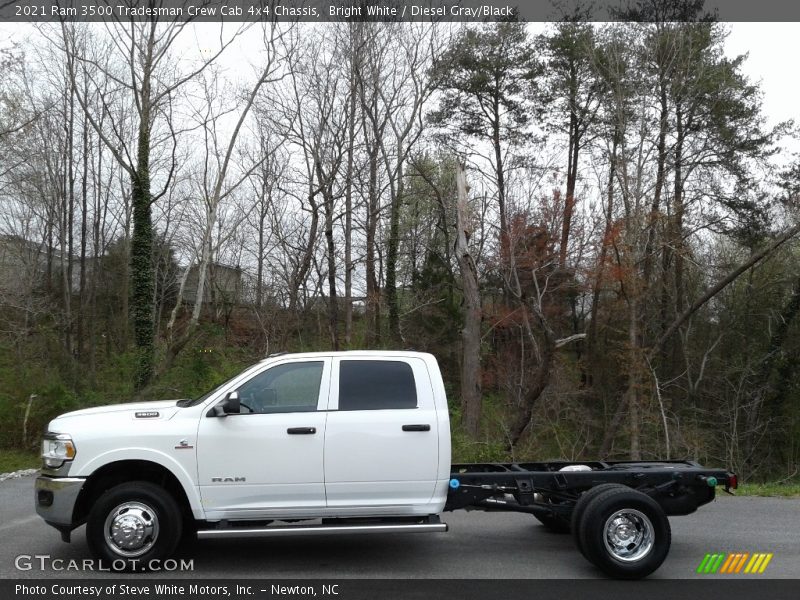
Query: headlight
[[56, 449]]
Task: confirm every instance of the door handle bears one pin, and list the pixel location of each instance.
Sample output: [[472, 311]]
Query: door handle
[[425, 427], [301, 430]]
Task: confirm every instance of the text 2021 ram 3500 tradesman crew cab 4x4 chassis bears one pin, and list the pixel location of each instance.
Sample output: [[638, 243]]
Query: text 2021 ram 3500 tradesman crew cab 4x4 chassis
[[328, 443]]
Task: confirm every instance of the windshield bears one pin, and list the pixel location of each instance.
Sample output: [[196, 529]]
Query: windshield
[[211, 392]]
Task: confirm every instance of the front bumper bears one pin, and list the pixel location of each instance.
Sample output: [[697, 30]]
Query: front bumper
[[56, 498]]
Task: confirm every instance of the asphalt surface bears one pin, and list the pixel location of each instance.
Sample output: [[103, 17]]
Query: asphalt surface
[[478, 545]]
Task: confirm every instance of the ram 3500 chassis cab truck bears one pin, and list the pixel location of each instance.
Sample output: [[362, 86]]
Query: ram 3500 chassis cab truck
[[333, 443]]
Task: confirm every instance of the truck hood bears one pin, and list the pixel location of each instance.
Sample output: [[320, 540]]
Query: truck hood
[[166, 408]]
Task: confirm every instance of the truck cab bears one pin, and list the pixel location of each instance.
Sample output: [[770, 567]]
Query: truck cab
[[304, 436], [327, 435]]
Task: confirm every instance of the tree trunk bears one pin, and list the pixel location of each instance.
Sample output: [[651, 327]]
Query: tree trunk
[[632, 394], [348, 208], [303, 268], [99, 267], [604, 244], [202, 266], [501, 180], [373, 214], [630, 399], [391, 256], [333, 301], [572, 170], [141, 265], [539, 382], [80, 327], [676, 242], [471, 332], [356, 41], [179, 300], [659, 187], [262, 216], [69, 212]]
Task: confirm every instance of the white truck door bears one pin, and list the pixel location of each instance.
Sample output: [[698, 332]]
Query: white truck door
[[268, 459], [381, 440]]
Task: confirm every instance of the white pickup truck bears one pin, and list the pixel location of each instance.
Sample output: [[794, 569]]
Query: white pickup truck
[[331, 443]]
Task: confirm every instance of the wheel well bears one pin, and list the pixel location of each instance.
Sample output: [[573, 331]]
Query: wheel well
[[112, 474]]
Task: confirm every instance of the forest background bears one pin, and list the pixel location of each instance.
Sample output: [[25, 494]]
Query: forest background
[[592, 226]]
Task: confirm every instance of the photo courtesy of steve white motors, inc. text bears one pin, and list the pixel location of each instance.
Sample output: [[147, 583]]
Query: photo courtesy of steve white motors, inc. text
[[171, 589]]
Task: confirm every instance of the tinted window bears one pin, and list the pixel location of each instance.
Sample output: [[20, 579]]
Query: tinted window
[[376, 384], [293, 387]]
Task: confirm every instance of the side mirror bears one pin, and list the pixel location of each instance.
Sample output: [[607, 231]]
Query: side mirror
[[229, 406]]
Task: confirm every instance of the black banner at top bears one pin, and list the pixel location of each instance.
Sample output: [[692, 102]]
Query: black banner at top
[[396, 10]]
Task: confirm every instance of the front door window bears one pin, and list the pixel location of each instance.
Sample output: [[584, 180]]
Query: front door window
[[292, 387]]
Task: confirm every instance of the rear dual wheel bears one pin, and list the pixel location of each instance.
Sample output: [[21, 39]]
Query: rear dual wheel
[[622, 531], [580, 508]]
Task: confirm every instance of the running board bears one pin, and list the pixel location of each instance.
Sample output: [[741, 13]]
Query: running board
[[234, 532]]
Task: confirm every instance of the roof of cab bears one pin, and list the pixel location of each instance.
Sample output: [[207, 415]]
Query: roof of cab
[[351, 353]]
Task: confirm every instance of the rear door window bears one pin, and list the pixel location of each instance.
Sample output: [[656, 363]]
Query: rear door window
[[376, 385]]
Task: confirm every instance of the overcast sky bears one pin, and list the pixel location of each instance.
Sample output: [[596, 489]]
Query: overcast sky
[[773, 54]]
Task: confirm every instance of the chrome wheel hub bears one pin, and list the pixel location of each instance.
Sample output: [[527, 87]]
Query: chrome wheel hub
[[131, 529], [628, 535]]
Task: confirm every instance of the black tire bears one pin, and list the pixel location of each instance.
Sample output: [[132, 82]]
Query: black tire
[[643, 531], [580, 508], [554, 523], [151, 517]]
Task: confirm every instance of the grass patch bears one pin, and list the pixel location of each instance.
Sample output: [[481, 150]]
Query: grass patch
[[14, 460], [784, 490]]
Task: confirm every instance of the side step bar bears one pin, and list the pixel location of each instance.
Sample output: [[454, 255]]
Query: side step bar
[[233, 532]]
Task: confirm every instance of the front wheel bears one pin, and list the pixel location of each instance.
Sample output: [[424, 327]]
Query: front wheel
[[625, 533], [133, 524]]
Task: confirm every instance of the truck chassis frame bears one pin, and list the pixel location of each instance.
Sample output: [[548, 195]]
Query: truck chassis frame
[[616, 510], [679, 486]]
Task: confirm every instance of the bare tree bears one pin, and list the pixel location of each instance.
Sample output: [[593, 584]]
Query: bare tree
[[137, 57], [471, 332], [217, 164]]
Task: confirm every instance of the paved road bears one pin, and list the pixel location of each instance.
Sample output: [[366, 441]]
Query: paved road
[[478, 545]]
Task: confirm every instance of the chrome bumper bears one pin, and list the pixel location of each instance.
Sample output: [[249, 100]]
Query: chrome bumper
[[55, 499]]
